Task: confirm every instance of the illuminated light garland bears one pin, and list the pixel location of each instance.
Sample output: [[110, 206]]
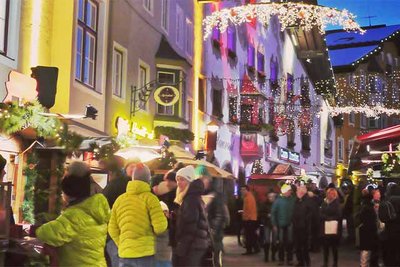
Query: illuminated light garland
[[289, 14], [369, 111]]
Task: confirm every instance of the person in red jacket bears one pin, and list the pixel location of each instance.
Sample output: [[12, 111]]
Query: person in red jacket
[[249, 218]]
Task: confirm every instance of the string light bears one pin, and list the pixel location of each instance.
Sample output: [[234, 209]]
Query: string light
[[289, 14], [257, 167]]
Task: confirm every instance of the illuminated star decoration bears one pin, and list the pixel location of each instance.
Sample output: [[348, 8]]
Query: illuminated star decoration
[[289, 14]]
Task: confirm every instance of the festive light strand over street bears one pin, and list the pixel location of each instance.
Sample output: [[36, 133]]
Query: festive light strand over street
[[302, 15]]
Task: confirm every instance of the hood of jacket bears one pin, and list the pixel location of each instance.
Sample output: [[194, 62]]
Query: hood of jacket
[[137, 187], [196, 188], [97, 207]]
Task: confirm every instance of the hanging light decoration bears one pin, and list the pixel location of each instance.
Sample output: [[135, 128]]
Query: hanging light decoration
[[290, 14]]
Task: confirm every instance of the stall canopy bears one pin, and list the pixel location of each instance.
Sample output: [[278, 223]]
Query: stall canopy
[[368, 148], [187, 158], [278, 171]]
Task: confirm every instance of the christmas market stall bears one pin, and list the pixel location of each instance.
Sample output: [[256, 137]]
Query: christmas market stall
[[376, 154], [262, 183]]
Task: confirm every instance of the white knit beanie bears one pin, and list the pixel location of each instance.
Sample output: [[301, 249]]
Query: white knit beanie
[[187, 173]]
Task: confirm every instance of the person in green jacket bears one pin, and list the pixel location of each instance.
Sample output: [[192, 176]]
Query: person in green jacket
[[281, 219], [136, 218], [79, 233]]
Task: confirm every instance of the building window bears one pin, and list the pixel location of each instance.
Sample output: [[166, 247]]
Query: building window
[[289, 85], [143, 80], [305, 100], [165, 15], [233, 112], [4, 17], [231, 38], [165, 110], [202, 95], [166, 77], [217, 103], [340, 147], [216, 37], [273, 74], [180, 29], [189, 37], [118, 61], [246, 114], [362, 80], [373, 123], [148, 5], [363, 121], [350, 146], [86, 42], [352, 118], [260, 63], [251, 57], [372, 83]]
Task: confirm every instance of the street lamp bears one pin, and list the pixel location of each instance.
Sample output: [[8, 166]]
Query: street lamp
[[212, 126]]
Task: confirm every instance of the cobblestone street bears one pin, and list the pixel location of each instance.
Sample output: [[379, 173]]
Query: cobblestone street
[[348, 256]]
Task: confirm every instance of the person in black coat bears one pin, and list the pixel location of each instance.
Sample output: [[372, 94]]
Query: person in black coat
[[192, 233], [368, 231], [316, 198], [302, 215], [389, 213], [330, 213]]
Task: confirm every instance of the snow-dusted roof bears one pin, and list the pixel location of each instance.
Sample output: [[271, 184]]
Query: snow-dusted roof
[[346, 56], [346, 48], [373, 34]]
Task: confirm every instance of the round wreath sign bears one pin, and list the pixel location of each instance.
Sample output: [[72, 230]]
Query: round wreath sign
[[166, 95]]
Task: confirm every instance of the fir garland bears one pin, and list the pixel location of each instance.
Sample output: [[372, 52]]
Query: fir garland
[[15, 118], [391, 163], [69, 140], [173, 133], [31, 174]]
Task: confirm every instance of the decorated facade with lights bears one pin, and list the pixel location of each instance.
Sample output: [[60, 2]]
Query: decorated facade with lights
[[367, 80], [259, 90]]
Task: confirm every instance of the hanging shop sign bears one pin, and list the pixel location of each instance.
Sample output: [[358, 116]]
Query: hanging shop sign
[[294, 157], [20, 86], [166, 95], [122, 126], [287, 155], [283, 153], [141, 131]]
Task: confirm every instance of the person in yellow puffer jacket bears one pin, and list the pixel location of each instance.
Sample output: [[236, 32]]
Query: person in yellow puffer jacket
[[136, 218], [80, 232]]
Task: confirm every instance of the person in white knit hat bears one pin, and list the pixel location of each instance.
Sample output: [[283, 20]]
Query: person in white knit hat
[[184, 177]]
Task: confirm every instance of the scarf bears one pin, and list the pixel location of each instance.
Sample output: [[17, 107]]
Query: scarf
[[180, 195]]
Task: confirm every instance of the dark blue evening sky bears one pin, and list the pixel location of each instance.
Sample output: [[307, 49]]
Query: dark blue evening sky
[[386, 11]]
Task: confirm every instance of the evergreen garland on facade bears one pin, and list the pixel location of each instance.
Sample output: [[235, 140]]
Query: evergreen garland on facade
[[31, 174], [15, 118]]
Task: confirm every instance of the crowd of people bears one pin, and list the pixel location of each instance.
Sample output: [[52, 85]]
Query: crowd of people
[[134, 221], [180, 220], [303, 218]]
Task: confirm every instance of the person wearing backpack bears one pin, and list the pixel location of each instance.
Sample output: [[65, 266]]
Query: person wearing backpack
[[389, 214]]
